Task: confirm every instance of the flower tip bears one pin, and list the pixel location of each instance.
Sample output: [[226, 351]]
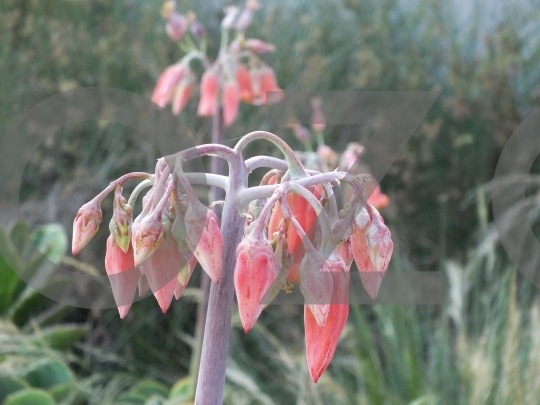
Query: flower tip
[[371, 280], [164, 306], [315, 375], [123, 310]]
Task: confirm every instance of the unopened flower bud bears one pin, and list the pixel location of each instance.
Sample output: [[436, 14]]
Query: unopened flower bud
[[379, 243], [379, 247], [253, 276], [301, 133], [318, 122], [231, 99], [230, 16], [197, 29], [123, 275], [209, 93], [258, 46], [176, 26], [85, 225], [350, 155], [204, 239], [244, 19], [146, 237], [167, 8], [122, 220]]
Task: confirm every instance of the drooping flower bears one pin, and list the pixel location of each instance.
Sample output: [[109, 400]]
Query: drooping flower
[[316, 285], [253, 275], [231, 100], [258, 46], [123, 275], [161, 270], [371, 253], [244, 83], [166, 84], [269, 85], [306, 217], [181, 96], [204, 239], [209, 93], [321, 341], [85, 225]]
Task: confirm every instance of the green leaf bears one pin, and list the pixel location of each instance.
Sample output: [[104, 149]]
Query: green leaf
[[61, 337], [130, 399], [9, 385], [51, 240], [19, 234], [28, 306], [64, 391], [47, 373], [181, 390], [149, 388], [8, 278], [29, 397]]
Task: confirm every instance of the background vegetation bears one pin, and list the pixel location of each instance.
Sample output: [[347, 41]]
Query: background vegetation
[[483, 344]]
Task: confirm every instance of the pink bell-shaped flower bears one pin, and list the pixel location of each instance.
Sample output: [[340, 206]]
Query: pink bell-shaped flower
[[209, 93], [85, 225], [253, 276], [244, 83], [181, 96], [123, 275], [161, 270], [203, 238], [321, 341], [231, 100], [166, 84], [316, 285]]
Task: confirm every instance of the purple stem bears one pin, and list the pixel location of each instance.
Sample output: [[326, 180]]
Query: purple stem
[[218, 318]]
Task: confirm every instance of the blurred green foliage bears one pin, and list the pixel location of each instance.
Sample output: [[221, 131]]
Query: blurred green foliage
[[481, 346]]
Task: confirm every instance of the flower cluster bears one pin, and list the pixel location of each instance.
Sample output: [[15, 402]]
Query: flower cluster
[[294, 239], [238, 74], [160, 248], [292, 233]]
